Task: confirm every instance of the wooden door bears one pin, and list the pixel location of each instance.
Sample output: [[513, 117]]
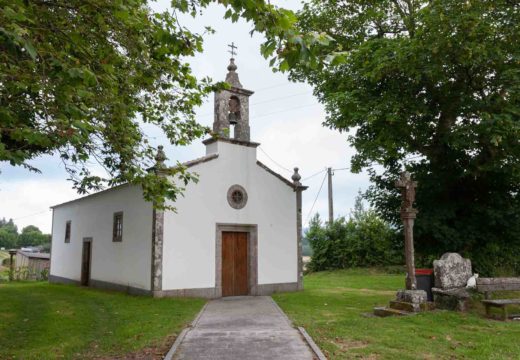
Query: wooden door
[[234, 264], [85, 262]]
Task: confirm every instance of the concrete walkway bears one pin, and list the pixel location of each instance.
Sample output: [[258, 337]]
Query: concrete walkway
[[243, 328]]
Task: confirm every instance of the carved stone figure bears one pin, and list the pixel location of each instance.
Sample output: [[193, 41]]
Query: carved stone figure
[[407, 190]]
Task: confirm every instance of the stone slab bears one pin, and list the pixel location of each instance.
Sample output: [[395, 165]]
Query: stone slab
[[451, 299], [243, 328], [452, 271]]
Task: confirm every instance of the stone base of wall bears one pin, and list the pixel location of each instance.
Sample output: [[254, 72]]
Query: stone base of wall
[[268, 289], [105, 285], [53, 279], [212, 293], [207, 293], [99, 284]]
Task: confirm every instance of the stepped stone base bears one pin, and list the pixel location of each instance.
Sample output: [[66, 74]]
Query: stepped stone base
[[385, 311], [405, 306], [408, 302], [412, 296]]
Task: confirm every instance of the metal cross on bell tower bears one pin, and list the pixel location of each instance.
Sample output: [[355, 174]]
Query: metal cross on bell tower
[[233, 48]]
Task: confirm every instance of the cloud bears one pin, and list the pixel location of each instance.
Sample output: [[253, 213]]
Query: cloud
[[28, 202]]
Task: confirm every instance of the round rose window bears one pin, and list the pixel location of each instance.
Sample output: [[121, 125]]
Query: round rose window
[[237, 197]]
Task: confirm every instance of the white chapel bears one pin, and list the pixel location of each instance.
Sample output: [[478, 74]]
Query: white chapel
[[236, 232]]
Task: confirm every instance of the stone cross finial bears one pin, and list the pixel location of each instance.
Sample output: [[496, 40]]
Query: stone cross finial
[[160, 158], [296, 177], [407, 186]]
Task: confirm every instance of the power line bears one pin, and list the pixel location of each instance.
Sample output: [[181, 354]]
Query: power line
[[346, 168], [269, 100], [26, 216], [274, 161], [286, 110], [280, 98], [313, 175], [316, 199], [273, 86]]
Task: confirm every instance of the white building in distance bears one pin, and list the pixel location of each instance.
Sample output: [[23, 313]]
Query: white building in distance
[[236, 232]]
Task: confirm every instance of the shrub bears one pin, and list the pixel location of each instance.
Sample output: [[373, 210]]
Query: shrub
[[44, 275], [362, 240]]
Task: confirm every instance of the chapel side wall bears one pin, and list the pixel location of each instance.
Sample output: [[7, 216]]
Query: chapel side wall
[[189, 258], [126, 263]]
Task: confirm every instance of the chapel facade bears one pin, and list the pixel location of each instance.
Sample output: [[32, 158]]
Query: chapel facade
[[235, 232]]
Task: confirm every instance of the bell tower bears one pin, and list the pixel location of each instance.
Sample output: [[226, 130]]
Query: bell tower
[[232, 106]]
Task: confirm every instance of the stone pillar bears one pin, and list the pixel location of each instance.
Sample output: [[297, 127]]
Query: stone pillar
[[298, 188], [12, 253], [157, 249], [157, 231], [408, 220], [408, 215]]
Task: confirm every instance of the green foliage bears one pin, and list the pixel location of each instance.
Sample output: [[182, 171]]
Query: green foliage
[[432, 87], [22, 273], [79, 79], [44, 274], [363, 240], [8, 234], [32, 236], [306, 247]]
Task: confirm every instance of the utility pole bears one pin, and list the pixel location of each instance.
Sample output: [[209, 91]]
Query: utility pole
[[331, 206]]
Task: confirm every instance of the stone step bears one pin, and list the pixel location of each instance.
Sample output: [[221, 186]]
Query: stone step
[[386, 311], [427, 306], [404, 306]]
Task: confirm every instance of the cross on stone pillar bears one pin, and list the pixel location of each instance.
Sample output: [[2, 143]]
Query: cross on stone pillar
[[298, 188], [158, 229], [408, 215]]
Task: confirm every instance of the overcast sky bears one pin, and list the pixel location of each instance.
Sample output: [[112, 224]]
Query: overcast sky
[[284, 117]]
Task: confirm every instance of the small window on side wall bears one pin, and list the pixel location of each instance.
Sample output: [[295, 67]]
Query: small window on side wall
[[67, 231], [117, 232]]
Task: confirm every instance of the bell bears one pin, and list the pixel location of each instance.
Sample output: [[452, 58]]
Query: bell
[[232, 118]]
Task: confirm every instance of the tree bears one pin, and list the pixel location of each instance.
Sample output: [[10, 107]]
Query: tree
[[32, 236], [80, 78], [362, 240], [431, 86], [8, 234]]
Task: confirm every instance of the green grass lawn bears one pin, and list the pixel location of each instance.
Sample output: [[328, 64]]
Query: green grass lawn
[[331, 309], [43, 321]]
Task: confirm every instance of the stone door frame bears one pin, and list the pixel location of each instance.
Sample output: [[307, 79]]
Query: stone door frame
[[252, 254]]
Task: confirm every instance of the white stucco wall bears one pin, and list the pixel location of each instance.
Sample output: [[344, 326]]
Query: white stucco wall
[[126, 263], [190, 234]]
